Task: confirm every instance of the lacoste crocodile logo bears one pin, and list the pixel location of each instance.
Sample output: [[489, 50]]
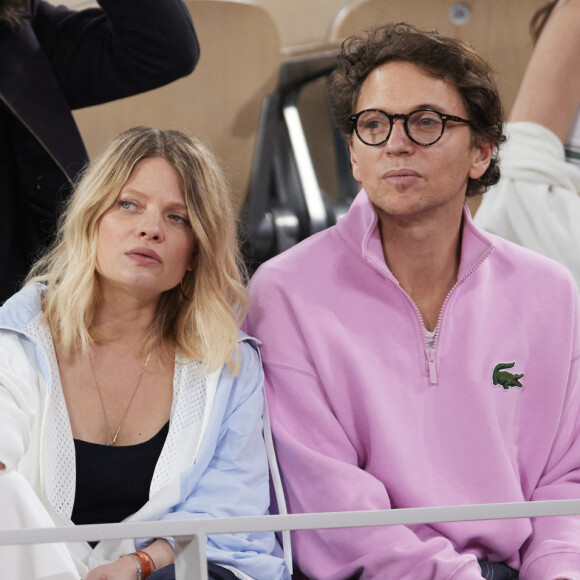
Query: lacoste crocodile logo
[[504, 378]]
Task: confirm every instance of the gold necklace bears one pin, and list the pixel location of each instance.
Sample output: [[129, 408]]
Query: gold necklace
[[111, 443]]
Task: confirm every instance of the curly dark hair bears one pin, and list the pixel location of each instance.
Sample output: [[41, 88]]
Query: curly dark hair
[[439, 56], [12, 12]]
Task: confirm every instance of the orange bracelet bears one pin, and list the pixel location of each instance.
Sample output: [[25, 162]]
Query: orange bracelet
[[147, 563]]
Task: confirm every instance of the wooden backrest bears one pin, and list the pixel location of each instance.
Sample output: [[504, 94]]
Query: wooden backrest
[[219, 102]]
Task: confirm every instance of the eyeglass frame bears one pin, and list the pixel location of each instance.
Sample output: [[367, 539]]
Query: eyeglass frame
[[392, 117]]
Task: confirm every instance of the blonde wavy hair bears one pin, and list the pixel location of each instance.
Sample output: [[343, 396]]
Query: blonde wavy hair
[[199, 318]]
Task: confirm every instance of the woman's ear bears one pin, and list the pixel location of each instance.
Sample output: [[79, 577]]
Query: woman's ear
[[192, 261]]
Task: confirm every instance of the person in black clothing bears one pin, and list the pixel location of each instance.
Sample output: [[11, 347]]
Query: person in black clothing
[[54, 60]]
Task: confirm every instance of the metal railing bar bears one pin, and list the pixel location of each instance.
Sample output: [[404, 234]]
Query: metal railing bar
[[312, 194], [203, 527], [190, 557]]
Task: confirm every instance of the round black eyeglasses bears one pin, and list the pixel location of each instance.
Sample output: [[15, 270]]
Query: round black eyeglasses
[[423, 126]]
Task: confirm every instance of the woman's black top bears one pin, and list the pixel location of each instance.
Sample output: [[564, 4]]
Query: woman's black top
[[113, 482]]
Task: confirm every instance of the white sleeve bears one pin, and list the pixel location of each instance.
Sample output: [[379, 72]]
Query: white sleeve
[[537, 202], [20, 508], [19, 397]]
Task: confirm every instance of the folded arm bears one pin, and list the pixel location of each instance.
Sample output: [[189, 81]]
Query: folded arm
[[121, 49], [550, 90], [322, 473]]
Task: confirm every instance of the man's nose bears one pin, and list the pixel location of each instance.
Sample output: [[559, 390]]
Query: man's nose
[[398, 139]]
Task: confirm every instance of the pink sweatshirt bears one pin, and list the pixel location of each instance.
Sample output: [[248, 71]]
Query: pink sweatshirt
[[367, 416]]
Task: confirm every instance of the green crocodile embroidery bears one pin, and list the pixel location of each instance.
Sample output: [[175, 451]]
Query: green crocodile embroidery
[[505, 379]]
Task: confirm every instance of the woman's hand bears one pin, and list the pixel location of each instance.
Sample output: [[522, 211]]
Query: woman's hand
[[124, 568]]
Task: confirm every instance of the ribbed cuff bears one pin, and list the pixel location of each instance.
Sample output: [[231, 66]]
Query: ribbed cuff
[[561, 565]]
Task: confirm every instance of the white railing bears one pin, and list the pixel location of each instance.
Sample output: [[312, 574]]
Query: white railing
[[190, 535]]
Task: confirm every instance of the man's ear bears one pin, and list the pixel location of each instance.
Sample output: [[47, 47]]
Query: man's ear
[[353, 160], [482, 154]]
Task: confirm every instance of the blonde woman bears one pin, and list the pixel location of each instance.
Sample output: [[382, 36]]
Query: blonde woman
[[126, 388]]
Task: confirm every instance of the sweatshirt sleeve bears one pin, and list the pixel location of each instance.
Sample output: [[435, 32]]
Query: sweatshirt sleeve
[[553, 549], [123, 48], [19, 398], [321, 470]]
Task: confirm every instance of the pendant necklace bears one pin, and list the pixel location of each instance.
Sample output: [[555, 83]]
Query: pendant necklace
[[111, 443]]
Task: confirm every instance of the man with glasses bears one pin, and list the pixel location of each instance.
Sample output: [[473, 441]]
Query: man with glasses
[[412, 360]]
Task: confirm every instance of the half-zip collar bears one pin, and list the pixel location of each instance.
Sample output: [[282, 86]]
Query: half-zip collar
[[363, 224]]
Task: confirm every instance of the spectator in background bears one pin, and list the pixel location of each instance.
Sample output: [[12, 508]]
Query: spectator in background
[[126, 388], [537, 201], [52, 60], [410, 359]]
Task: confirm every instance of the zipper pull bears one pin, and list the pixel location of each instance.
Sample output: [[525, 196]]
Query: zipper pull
[[430, 352]]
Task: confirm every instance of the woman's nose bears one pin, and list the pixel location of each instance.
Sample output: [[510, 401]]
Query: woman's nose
[[147, 234], [150, 228]]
